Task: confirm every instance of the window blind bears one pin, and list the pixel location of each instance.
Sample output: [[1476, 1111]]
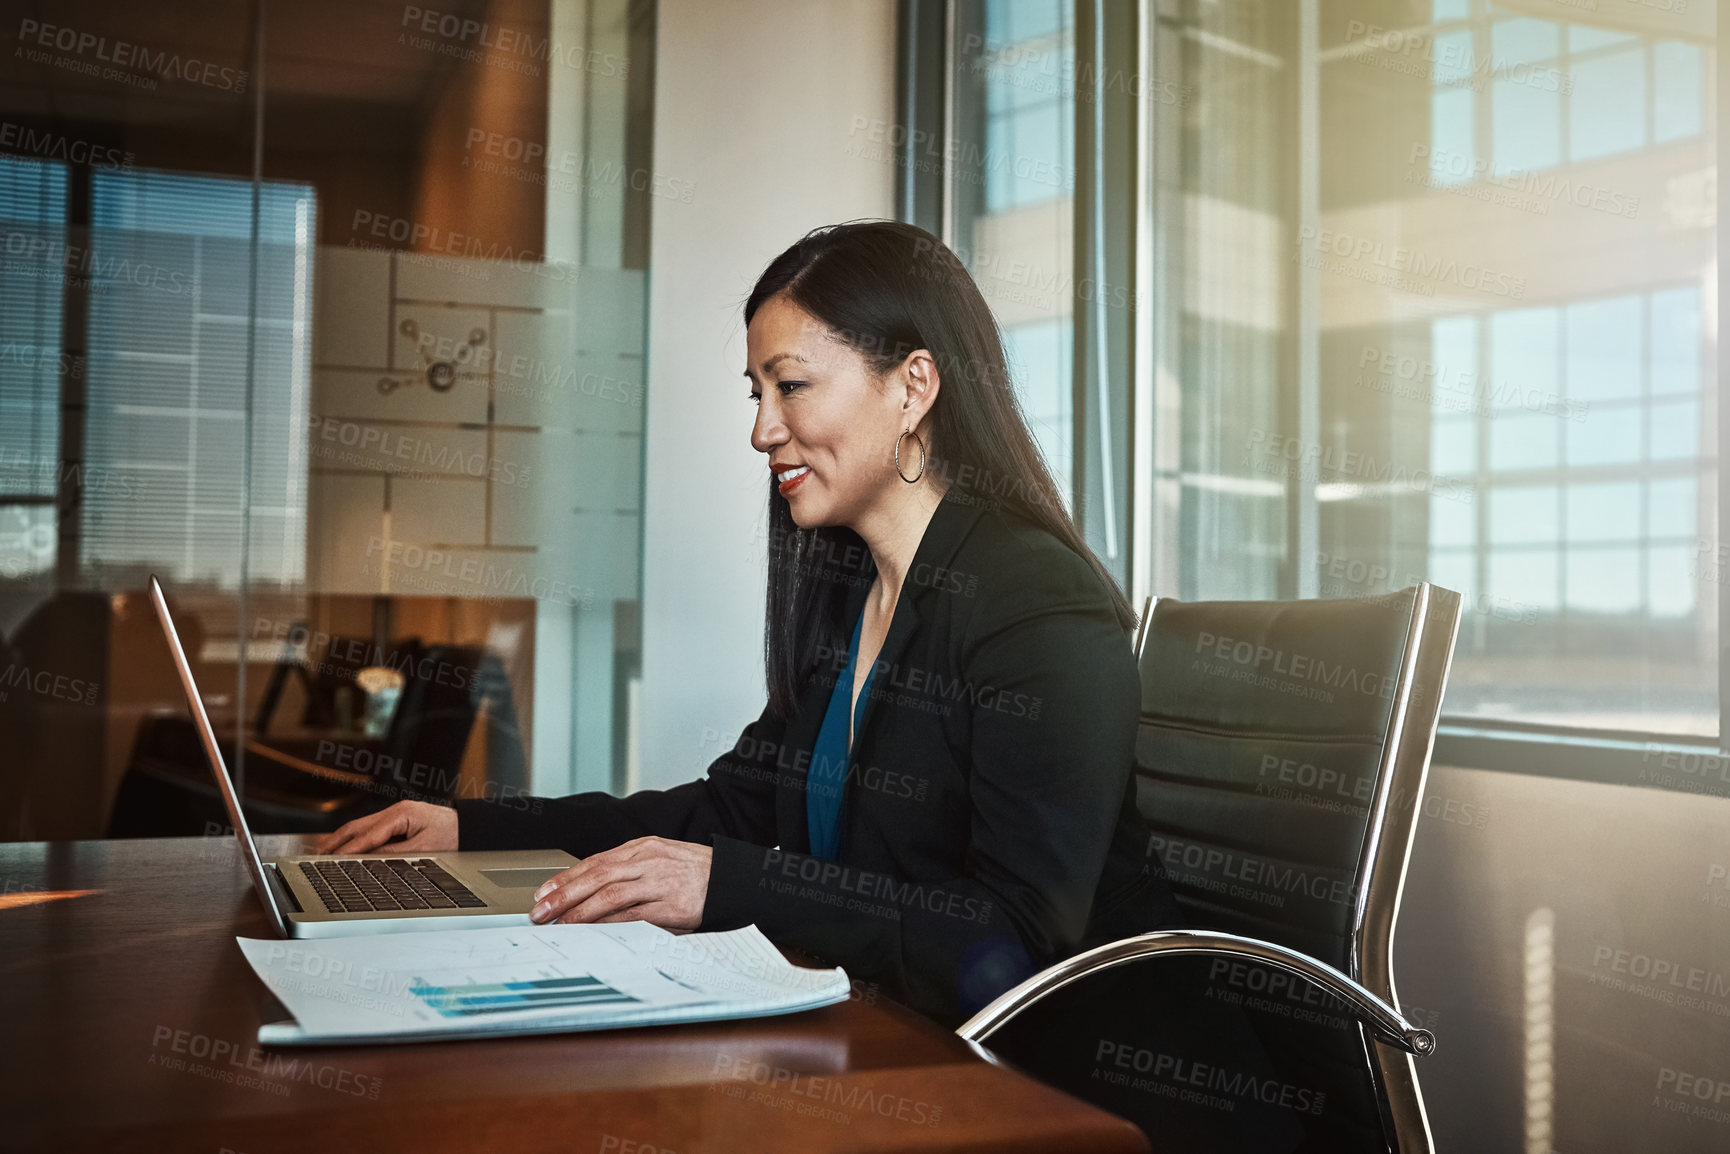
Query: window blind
[[32, 233], [171, 267]]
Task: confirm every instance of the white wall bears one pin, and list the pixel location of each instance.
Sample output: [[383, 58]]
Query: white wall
[[755, 106]]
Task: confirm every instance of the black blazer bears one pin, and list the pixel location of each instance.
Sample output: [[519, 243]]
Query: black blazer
[[988, 822]]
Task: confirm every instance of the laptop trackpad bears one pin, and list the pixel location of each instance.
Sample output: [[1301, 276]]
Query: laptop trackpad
[[514, 879]]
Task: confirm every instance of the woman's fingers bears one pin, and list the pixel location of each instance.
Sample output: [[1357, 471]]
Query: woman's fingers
[[593, 866], [564, 877], [372, 831], [334, 838], [651, 911], [340, 834], [649, 879], [580, 888], [421, 841], [358, 840], [366, 833], [619, 854], [611, 899]]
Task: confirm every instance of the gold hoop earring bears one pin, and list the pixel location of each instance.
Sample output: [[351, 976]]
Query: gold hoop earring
[[915, 477]]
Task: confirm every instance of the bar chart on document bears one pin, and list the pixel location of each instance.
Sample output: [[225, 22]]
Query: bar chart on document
[[458, 989], [537, 993]]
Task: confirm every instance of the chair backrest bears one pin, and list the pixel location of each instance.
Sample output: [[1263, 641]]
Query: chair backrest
[[435, 715], [54, 738], [1281, 760]]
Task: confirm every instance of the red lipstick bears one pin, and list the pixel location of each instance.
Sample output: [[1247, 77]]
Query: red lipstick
[[786, 487]]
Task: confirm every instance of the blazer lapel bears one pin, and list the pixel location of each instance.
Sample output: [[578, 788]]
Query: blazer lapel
[[944, 533]]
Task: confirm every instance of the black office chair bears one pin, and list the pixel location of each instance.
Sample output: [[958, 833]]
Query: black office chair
[[1281, 762], [54, 705]]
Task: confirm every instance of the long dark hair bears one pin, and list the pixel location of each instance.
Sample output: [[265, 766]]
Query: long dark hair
[[886, 288]]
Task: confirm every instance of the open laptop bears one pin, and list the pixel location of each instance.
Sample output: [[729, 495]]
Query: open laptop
[[311, 896]]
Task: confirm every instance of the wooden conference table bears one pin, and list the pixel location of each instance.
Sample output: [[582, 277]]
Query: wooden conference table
[[128, 1022]]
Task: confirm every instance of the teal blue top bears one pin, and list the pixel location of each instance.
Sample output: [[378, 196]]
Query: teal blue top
[[826, 782]]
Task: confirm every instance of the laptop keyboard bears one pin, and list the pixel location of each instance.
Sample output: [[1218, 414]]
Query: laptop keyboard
[[374, 884]]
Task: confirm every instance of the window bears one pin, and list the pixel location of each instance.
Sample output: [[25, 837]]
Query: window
[[1029, 111], [33, 223], [1589, 519], [1460, 335], [1013, 197], [169, 369], [1521, 94], [164, 275]]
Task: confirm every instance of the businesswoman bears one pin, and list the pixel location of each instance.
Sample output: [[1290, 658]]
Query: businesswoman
[[938, 795]]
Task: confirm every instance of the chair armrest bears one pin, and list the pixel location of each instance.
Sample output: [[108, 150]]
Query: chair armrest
[[1387, 1021]]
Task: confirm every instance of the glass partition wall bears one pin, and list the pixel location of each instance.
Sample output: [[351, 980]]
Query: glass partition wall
[[331, 315]]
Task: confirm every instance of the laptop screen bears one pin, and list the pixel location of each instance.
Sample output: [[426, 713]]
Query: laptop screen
[[218, 767]]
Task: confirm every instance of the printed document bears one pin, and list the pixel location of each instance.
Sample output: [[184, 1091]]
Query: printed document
[[404, 987]]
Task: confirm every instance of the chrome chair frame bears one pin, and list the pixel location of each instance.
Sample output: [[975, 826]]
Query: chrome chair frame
[[1390, 1040]]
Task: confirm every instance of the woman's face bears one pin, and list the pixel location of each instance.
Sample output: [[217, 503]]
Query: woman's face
[[826, 423]]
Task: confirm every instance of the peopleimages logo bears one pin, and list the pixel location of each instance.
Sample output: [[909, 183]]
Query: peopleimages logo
[[1661, 972], [967, 158], [47, 683], [829, 1090], [1283, 455], [41, 142], [518, 374], [1685, 769], [1206, 1076], [525, 159], [427, 238], [426, 566], [1277, 985], [1542, 186], [50, 258], [1297, 666], [225, 1061], [341, 972], [1398, 260], [1237, 875], [1314, 779], [417, 781], [1004, 274], [1036, 66], [1460, 389], [90, 480], [929, 689], [382, 448], [1452, 57], [888, 782], [158, 64], [464, 38], [896, 894], [1357, 579]]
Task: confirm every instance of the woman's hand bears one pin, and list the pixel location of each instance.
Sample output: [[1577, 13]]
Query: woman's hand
[[420, 826], [650, 879]]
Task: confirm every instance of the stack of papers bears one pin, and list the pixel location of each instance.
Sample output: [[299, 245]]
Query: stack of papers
[[412, 987]]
